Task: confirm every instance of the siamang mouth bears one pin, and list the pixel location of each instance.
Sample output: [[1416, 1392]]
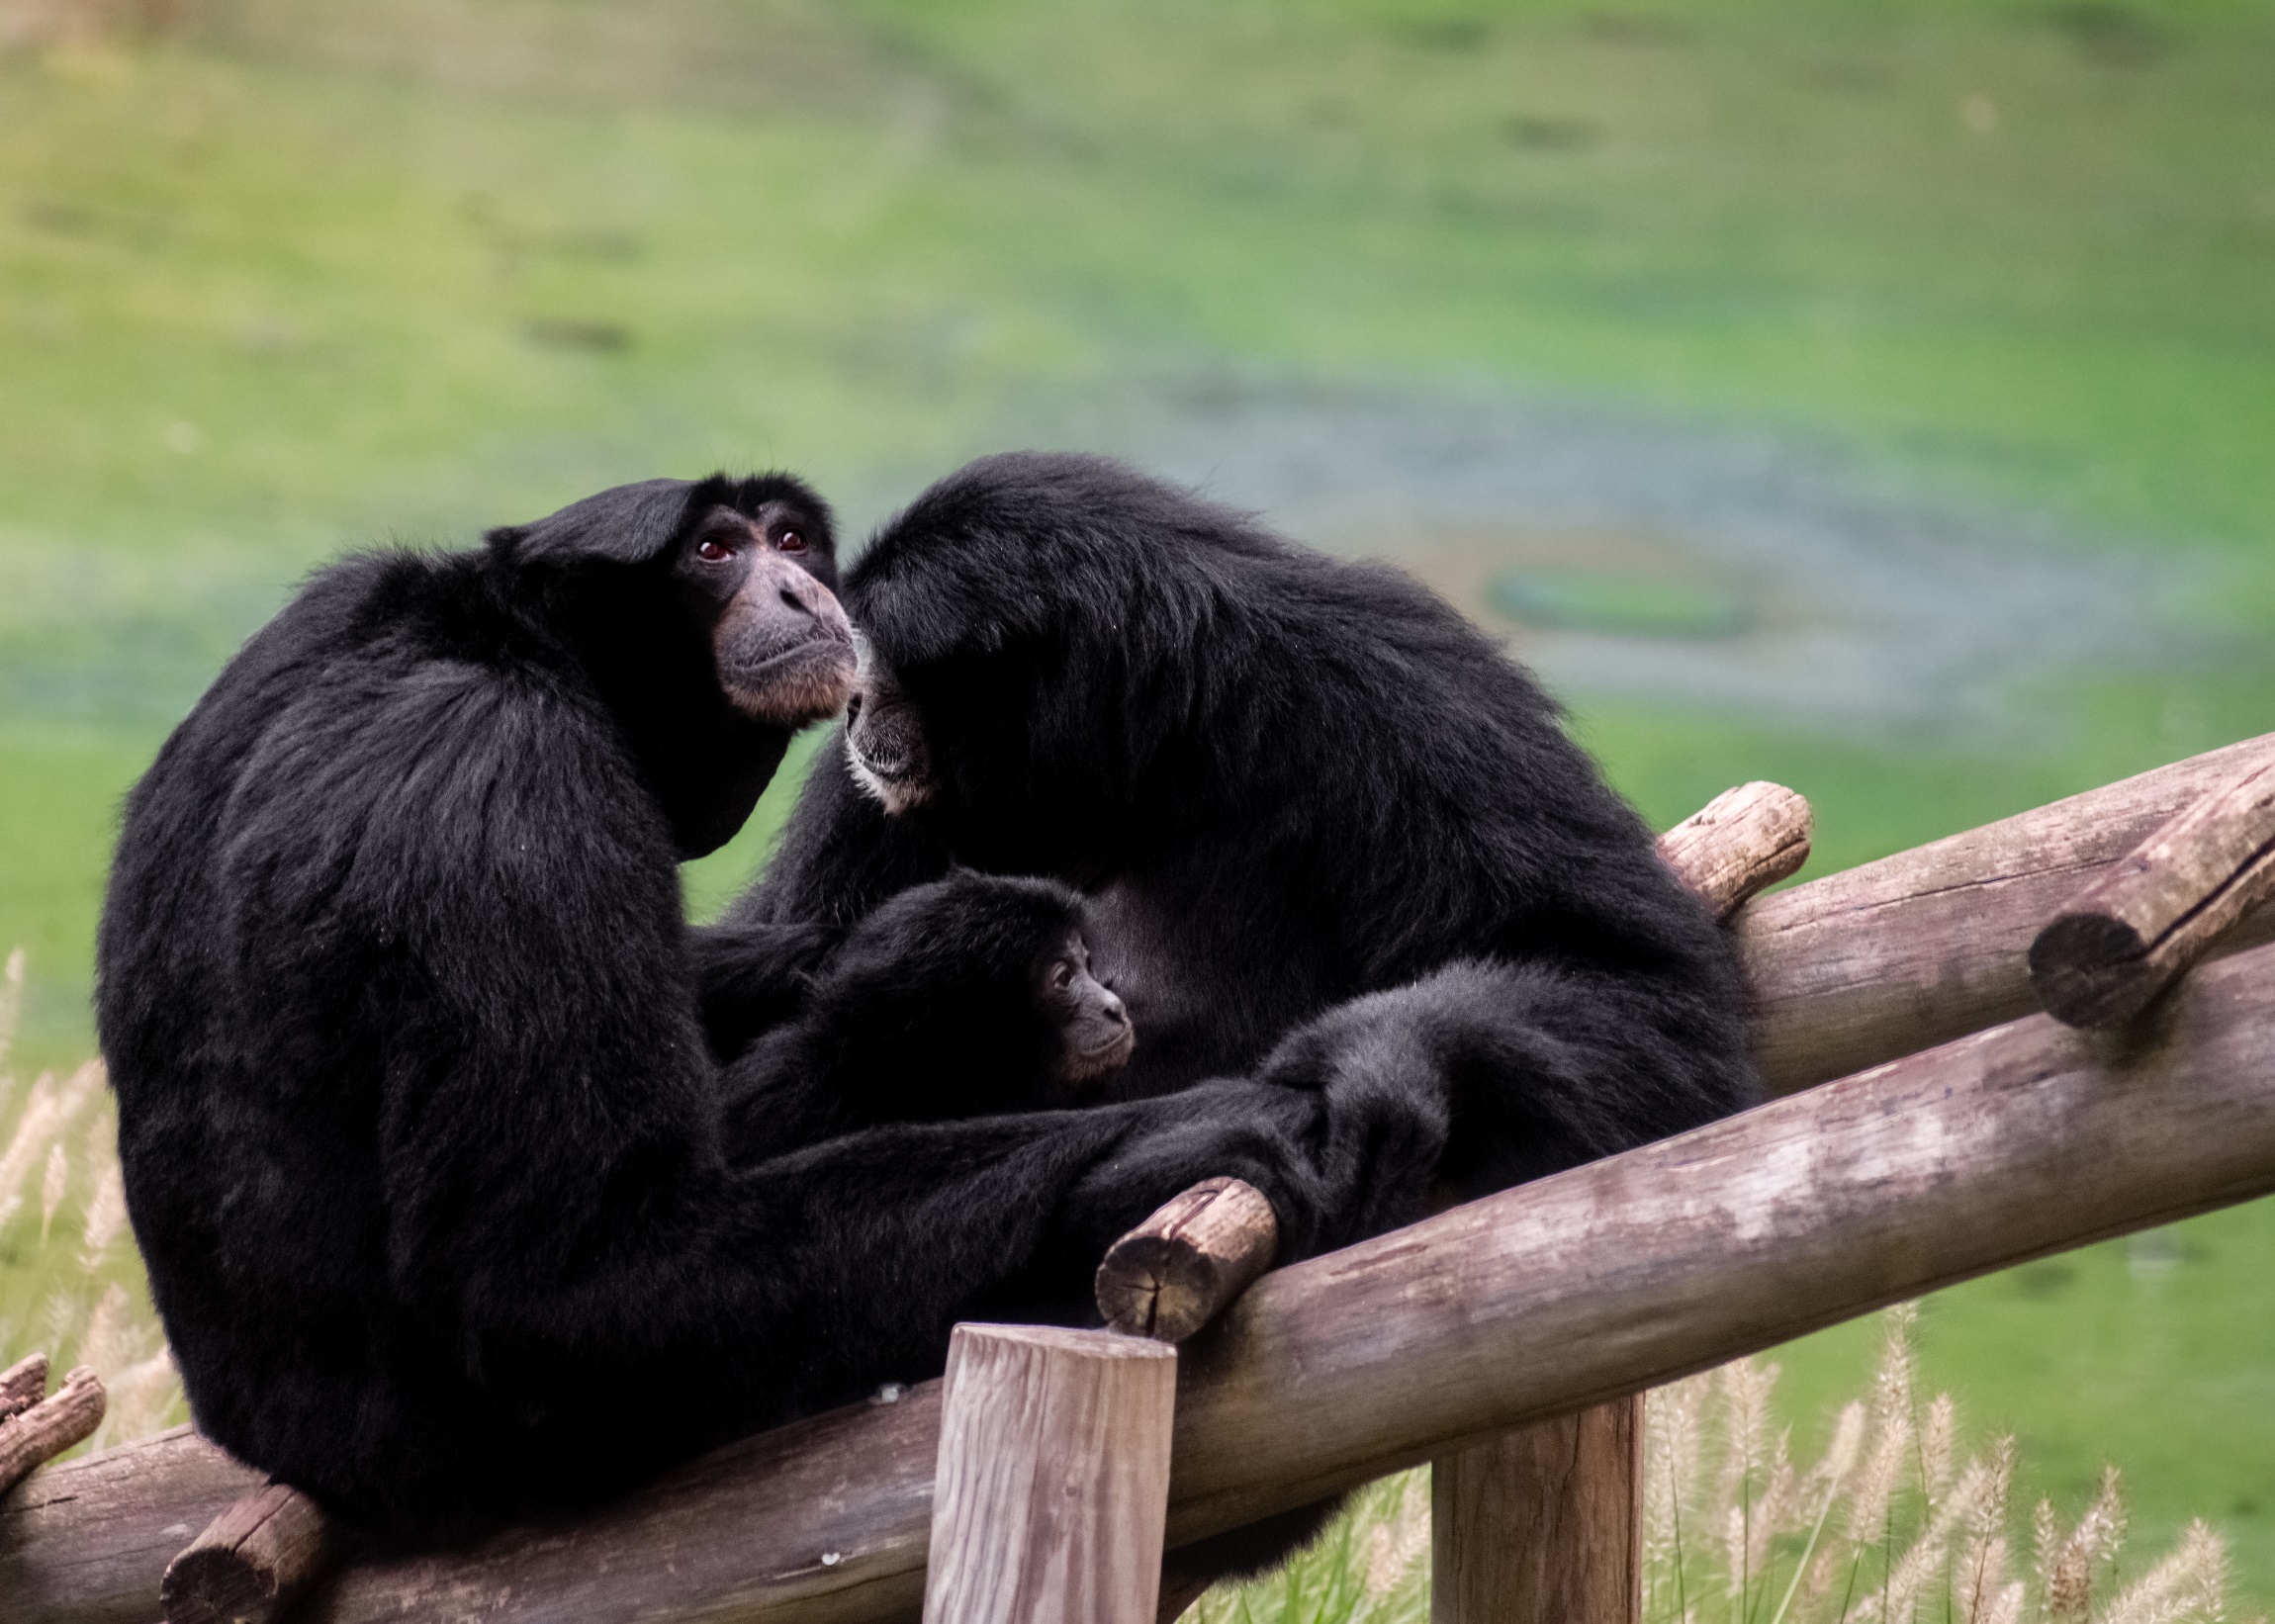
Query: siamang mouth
[[1085, 1063], [891, 768], [801, 684]]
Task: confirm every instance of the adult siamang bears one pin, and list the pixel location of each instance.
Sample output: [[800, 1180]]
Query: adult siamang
[[423, 1139], [1298, 793], [1294, 789]]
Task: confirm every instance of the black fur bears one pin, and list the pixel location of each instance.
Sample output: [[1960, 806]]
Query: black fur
[[1330, 835], [421, 1135], [1284, 782], [927, 1011]]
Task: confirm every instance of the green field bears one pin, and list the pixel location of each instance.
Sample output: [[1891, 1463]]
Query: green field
[[301, 276]]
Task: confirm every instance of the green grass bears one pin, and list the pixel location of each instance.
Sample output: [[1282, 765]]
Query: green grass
[[313, 276]]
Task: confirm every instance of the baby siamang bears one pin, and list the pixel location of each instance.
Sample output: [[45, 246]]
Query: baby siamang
[[1296, 792], [423, 1140], [964, 997]]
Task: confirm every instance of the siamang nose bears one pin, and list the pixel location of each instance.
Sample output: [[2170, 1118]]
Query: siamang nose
[[1111, 1007], [802, 592]]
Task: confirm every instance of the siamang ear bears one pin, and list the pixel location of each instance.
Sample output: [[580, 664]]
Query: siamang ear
[[626, 524]]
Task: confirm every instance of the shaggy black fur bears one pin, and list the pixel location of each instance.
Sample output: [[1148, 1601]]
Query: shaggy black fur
[[423, 1139], [1327, 830], [1286, 783], [932, 1009]]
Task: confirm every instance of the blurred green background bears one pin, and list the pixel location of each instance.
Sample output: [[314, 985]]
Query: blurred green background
[[1879, 399]]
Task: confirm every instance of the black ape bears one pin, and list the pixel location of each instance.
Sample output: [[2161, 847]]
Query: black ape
[[965, 997], [1284, 782], [422, 1139], [1299, 795]]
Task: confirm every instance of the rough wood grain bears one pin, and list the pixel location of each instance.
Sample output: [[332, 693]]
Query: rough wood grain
[[1741, 841], [2130, 933], [1927, 945], [23, 1384], [251, 1562], [1531, 1303], [1053, 1478], [1173, 1273], [34, 1436], [1542, 1526]]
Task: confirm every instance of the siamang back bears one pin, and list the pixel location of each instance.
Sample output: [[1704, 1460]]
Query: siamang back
[[1295, 789]]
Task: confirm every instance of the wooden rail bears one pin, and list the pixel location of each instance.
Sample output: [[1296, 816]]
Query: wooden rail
[[1517, 1309], [1932, 944], [1528, 1304]]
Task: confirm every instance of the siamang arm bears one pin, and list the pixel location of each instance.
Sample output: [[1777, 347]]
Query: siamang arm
[[751, 978]]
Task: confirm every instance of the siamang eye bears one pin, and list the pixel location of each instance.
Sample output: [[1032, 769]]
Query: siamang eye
[[1062, 975], [712, 550], [791, 541]]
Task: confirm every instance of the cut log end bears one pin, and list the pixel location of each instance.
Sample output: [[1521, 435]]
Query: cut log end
[[2136, 930], [1178, 1270], [1742, 841], [2091, 971], [252, 1562]]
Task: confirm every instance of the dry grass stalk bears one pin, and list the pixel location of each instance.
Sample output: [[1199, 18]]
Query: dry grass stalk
[[11, 1008], [60, 1139], [1395, 1545], [1896, 1523]]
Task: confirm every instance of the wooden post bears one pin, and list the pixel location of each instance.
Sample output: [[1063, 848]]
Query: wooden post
[[1542, 1526], [2125, 937], [252, 1562], [1052, 1483]]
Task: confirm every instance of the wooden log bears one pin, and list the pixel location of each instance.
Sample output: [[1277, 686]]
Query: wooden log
[[1927, 945], [1173, 1273], [35, 1435], [1532, 1303], [1052, 1479], [1741, 841], [251, 1562], [23, 1384], [1542, 1526], [2130, 933]]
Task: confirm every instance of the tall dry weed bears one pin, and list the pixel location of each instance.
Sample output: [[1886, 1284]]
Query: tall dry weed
[[69, 1286], [1893, 1524]]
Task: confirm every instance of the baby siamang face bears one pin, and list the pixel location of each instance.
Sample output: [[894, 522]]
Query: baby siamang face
[[884, 742], [1095, 1034], [784, 648]]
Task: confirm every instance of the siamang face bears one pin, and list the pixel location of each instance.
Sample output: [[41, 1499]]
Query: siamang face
[[884, 742], [782, 647], [1094, 1032]]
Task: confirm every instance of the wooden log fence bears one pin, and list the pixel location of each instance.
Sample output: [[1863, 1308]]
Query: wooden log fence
[[1531, 1305], [1893, 956]]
